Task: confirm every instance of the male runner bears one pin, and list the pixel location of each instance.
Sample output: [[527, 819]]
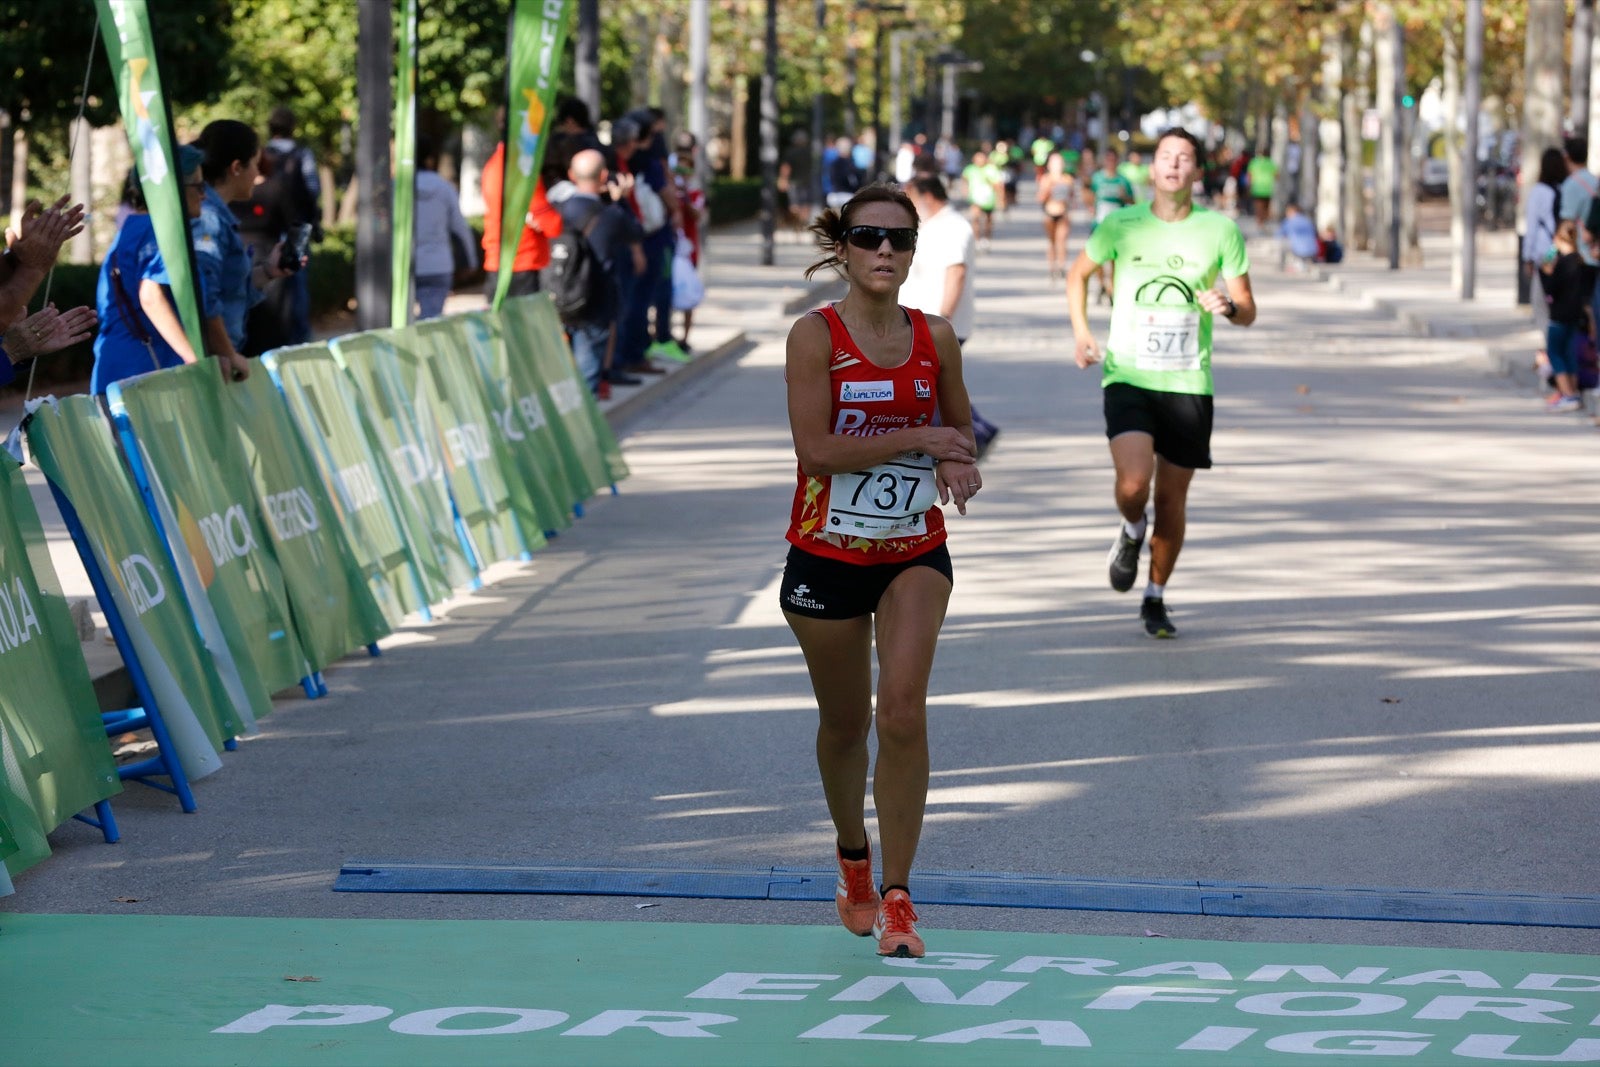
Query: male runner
[[1109, 191], [1157, 378]]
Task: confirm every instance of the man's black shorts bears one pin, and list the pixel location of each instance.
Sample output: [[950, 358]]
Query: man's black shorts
[[822, 588], [1179, 422]]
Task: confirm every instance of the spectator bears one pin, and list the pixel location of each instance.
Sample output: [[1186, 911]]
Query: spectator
[[291, 170], [231, 281], [1262, 174], [541, 223], [1539, 233], [636, 345], [940, 281], [1329, 250], [843, 177], [905, 162], [796, 182], [612, 236], [31, 252], [1577, 193], [571, 131], [1299, 234], [630, 270], [660, 243], [440, 231], [1570, 282], [139, 327], [692, 202]]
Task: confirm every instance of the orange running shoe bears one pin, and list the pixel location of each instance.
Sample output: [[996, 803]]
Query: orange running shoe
[[896, 926], [855, 895]]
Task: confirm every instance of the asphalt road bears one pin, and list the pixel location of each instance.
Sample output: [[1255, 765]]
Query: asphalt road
[[1385, 676]]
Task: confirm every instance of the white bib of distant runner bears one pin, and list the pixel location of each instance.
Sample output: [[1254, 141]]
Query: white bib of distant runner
[[885, 501], [1166, 338]]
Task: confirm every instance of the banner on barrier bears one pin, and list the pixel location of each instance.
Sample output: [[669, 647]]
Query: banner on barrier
[[402, 575], [71, 442], [329, 599], [542, 365], [55, 756], [541, 312], [188, 450], [455, 372], [403, 434], [540, 452], [464, 435]]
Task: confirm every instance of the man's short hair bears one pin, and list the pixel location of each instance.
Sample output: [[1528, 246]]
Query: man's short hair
[[1179, 131], [1577, 149], [624, 129], [281, 122], [572, 109], [929, 185]]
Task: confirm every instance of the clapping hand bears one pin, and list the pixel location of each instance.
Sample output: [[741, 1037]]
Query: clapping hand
[[49, 331], [42, 231]]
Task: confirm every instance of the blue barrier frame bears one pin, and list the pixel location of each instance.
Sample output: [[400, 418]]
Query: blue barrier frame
[[148, 716], [118, 411]]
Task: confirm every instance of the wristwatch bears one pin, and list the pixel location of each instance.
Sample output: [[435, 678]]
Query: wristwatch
[[1233, 309]]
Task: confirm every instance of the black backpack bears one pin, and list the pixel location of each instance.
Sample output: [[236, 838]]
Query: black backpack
[[576, 279]]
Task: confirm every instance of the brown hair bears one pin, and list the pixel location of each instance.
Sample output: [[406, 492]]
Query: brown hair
[[830, 226]]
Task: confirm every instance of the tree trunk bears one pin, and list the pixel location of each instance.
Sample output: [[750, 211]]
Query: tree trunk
[[1330, 191], [81, 248], [19, 172], [1410, 239], [1357, 231], [644, 41], [350, 203], [671, 66], [1283, 188], [1582, 52], [330, 195], [1310, 137], [1449, 31], [739, 150], [1384, 52], [1543, 66]]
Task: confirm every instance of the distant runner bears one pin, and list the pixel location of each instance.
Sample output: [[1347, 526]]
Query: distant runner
[[1157, 378], [1110, 191]]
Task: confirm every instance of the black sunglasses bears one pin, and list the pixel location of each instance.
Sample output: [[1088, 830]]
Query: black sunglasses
[[901, 238]]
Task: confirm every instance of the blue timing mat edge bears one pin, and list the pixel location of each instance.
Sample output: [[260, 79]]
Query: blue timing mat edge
[[991, 890]]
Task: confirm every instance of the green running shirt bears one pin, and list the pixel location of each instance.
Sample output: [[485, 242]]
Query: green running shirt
[[1160, 339]]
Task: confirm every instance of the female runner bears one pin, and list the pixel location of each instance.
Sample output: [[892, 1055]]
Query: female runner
[[868, 558], [1055, 197]]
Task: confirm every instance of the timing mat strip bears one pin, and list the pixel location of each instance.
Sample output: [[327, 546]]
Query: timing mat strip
[[992, 890]]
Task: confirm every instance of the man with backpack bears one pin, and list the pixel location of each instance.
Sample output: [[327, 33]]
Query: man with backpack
[[295, 190], [581, 278]]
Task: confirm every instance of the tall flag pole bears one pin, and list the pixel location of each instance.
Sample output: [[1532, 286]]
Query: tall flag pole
[[405, 169], [125, 28], [533, 59]]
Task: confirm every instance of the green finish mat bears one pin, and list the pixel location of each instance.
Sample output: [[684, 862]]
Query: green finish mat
[[136, 990]]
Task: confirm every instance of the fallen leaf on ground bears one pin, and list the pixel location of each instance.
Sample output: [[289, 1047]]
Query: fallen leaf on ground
[[124, 900], [1302, 389], [1152, 933], [641, 907], [1391, 700], [300, 978]]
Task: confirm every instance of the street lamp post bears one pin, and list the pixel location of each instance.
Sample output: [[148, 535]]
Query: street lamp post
[[878, 10]]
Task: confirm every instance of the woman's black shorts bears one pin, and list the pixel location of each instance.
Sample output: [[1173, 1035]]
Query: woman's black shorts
[[822, 588], [1179, 422]]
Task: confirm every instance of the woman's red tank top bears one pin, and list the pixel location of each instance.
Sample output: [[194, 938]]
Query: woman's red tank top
[[877, 515]]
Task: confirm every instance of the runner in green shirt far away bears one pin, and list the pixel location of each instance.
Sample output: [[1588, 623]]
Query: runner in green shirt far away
[[1110, 191], [1157, 385]]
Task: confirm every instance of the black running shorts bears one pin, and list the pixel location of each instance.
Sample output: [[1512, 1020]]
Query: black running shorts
[[822, 588], [1179, 422]]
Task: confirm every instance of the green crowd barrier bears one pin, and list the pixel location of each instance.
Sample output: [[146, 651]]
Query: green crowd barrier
[[330, 602], [538, 445], [53, 749], [404, 435], [542, 323], [189, 454], [177, 639], [539, 364], [384, 532], [468, 447]]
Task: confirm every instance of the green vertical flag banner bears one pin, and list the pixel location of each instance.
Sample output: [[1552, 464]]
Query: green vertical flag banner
[[54, 757], [405, 168], [533, 59], [125, 27], [71, 442]]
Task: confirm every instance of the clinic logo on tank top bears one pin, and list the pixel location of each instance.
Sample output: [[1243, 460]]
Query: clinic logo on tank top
[[866, 392]]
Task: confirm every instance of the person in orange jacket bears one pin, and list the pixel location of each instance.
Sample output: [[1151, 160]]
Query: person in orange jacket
[[533, 252]]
